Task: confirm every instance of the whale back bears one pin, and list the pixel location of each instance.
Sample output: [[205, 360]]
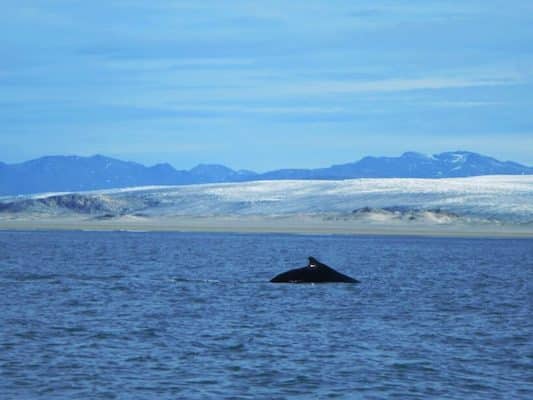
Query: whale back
[[315, 272]]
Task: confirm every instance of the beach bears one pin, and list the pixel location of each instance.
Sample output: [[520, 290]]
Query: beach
[[300, 224]]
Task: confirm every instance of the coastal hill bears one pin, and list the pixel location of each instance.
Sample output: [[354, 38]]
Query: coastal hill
[[75, 174]]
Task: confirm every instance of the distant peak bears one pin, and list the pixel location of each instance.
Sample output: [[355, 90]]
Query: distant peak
[[458, 152], [414, 154], [162, 167], [100, 157], [457, 157], [210, 167]]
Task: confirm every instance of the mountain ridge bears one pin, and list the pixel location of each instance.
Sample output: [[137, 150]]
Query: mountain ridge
[[76, 173]]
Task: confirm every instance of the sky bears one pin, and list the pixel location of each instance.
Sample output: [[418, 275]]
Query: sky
[[265, 84]]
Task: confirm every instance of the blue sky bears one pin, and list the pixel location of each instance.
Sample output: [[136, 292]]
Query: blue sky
[[265, 84]]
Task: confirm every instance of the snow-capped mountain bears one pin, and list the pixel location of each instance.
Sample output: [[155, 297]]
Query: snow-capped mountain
[[73, 173], [410, 165]]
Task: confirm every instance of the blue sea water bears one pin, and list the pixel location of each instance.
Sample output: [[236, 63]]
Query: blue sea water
[[92, 315]]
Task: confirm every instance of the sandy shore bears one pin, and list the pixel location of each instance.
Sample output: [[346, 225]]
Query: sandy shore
[[254, 224]]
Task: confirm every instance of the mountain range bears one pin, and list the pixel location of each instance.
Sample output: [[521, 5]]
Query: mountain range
[[74, 173]]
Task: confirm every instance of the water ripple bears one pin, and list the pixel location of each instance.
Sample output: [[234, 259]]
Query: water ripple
[[153, 315]]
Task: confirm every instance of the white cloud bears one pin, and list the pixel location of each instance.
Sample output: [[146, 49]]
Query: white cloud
[[392, 85]]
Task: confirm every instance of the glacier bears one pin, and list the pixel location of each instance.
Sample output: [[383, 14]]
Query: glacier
[[505, 199]]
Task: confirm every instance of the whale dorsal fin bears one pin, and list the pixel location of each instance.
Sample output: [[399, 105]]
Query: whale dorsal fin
[[313, 262]]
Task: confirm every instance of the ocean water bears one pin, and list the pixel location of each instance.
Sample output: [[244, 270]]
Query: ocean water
[[92, 315]]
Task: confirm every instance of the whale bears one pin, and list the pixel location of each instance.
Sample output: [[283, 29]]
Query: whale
[[314, 272]]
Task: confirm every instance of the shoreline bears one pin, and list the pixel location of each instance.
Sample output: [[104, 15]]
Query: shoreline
[[255, 225]]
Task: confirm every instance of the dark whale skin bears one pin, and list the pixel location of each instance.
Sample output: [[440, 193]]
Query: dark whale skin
[[315, 272]]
